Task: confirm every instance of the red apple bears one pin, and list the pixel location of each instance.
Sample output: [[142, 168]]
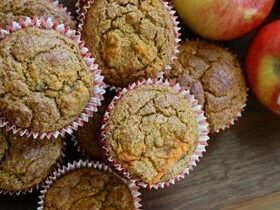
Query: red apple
[[263, 66], [223, 20]]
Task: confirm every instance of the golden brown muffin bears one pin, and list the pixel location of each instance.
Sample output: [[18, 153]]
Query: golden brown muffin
[[25, 162], [45, 83], [214, 76], [131, 39], [88, 188], [88, 135], [152, 132], [14, 9]]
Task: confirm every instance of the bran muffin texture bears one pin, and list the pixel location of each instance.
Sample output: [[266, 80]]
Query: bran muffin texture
[[14, 9], [88, 188], [45, 82], [131, 39], [152, 133], [216, 79], [25, 162]]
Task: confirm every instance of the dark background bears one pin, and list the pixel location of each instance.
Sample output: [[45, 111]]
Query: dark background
[[240, 164]]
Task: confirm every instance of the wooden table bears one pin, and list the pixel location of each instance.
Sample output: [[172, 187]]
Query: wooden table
[[241, 169]]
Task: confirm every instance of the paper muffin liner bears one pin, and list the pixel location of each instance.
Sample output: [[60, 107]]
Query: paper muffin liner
[[77, 145], [82, 7], [97, 90], [80, 4], [81, 150], [242, 108], [62, 8], [87, 164], [234, 120], [203, 129], [160, 76], [39, 185]]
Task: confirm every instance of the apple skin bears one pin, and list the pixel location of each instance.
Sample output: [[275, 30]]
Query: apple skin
[[263, 66], [223, 20]]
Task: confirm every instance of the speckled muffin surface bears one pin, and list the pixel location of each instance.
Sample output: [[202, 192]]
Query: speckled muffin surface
[[25, 162], [14, 9], [152, 132], [131, 39], [88, 135], [88, 188], [214, 76], [45, 83]]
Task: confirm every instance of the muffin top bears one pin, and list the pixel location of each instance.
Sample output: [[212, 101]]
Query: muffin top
[[131, 39], [152, 132], [88, 188], [214, 76], [45, 83], [14, 9], [88, 135], [25, 162]]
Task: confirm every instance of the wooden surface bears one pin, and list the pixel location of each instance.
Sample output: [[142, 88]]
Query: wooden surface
[[268, 202], [241, 169]]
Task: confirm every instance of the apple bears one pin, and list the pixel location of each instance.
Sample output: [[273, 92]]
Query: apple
[[223, 19], [263, 66]]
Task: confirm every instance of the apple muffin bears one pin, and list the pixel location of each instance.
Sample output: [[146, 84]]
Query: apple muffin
[[14, 9], [45, 82], [88, 136], [25, 162], [131, 39], [214, 76], [152, 132], [88, 188]]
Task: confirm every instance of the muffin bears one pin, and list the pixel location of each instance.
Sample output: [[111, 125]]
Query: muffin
[[214, 76], [131, 39], [88, 188], [14, 9], [153, 133], [45, 82], [87, 136], [25, 162]]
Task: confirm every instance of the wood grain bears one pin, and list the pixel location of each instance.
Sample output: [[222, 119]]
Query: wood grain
[[268, 202], [240, 170]]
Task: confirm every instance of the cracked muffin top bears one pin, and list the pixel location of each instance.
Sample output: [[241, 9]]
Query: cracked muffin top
[[214, 76], [131, 39], [14, 9], [25, 162], [152, 132], [88, 188], [88, 135], [45, 83]]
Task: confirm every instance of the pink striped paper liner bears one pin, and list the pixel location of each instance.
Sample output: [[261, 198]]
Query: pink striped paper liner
[[242, 108], [82, 150], [233, 121], [62, 8], [64, 11], [203, 128], [37, 186], [76, 144], [82, 7], [87, 164], [97, 89]]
